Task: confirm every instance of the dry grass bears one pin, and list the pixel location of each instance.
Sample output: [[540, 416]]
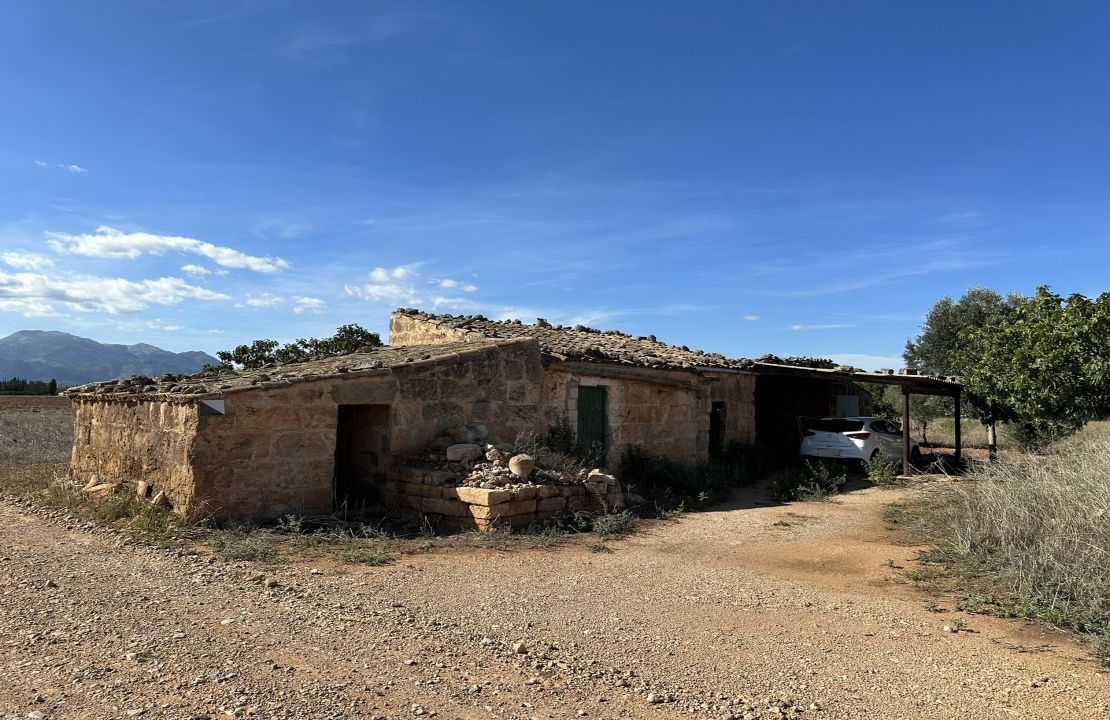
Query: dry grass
[[1038, 527], [36, 436]]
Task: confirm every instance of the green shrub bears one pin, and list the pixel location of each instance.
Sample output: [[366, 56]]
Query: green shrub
[[612, 524], [812, 480], [882, 470]]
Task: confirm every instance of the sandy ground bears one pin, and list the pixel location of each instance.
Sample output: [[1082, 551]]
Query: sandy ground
[[751, 610]]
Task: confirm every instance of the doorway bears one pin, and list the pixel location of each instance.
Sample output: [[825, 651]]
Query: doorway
[[361, 453], [591, 422], [716, 429]]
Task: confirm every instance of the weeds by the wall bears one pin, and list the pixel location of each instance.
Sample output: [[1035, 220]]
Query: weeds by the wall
[[1031, 536], [668, 484]]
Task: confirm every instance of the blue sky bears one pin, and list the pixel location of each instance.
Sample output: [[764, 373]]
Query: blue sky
[[745, 177]]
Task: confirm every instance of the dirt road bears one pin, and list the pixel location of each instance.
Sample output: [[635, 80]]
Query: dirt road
[[755, 610]]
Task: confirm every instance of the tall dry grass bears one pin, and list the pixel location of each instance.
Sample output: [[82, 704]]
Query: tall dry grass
[[36, 436], [1040, 525]]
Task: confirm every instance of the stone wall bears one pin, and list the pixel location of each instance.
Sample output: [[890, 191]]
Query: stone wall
[[125, 442], [471, 508], [655, 409], [496, 387], [273, 451], [737, 391], [413, 330]]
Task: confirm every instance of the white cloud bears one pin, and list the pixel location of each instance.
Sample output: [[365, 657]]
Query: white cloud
[[308, 304], [73, 168], [26, 307], [88, 293], [40, 163], [195, 270], [393, 285], [158, 324], [450, 284], [829, 326], [868, 362], [26, 260], [108, 242], [265, 300], [751, 318]]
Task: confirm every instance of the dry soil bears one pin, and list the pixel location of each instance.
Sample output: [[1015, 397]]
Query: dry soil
[[751, 610]]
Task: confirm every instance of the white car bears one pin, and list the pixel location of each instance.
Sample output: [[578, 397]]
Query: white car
[[854, 438]]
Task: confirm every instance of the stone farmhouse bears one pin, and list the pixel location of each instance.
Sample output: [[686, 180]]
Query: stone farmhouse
[[304, 437]]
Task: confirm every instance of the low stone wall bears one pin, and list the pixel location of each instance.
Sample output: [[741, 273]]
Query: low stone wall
[[120, 444], [420, 492]]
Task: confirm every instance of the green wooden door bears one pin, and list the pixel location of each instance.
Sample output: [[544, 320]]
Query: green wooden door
[[591, 421]]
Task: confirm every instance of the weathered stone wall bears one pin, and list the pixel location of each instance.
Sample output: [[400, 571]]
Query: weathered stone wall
[[665, 412], [481, 509], [655, 409], [413, 330], [125, 442], [737, 391], [498, 387], [273, 451]]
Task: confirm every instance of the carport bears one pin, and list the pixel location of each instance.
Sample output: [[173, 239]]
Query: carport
[[910, 382]]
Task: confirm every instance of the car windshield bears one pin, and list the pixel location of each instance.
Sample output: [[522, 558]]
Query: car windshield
[[837, 425]]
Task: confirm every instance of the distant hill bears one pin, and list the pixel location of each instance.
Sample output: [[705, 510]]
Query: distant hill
[[73, 360]]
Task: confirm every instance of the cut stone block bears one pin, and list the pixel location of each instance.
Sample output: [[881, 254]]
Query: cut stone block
[[464, 452]]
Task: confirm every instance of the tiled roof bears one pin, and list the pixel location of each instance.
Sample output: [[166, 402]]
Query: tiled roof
[[372, 361]]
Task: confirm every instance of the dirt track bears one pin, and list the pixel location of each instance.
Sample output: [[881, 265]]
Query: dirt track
[[721, 613]]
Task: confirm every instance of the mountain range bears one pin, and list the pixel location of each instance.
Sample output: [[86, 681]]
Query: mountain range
[[73, 360]]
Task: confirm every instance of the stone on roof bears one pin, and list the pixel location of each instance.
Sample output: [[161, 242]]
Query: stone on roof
[[367, 361], [584, 344]]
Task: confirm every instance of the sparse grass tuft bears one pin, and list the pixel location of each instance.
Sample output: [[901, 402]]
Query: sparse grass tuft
[[255, 546]]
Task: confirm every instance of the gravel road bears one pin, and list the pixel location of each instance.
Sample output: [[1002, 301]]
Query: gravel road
[[756, 610]]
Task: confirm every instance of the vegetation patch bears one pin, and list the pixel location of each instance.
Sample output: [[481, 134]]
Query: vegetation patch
[[668, 484], [1029, 537], [813, 480]]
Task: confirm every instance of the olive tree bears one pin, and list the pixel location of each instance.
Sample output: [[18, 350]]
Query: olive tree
[[347, 338]]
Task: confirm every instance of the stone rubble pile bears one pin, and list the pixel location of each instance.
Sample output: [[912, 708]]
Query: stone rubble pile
[[478, 484]]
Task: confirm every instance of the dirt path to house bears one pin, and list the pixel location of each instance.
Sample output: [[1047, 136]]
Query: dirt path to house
[[754, 610]]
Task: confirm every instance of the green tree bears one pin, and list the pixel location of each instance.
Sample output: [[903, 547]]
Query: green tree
[[936, 351], [52, 387], [347, 339], [1046, 366]]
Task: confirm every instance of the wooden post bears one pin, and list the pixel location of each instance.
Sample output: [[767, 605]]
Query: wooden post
[[905, 431], [958, 452]]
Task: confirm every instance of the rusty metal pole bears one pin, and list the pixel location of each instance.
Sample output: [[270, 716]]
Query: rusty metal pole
[[958, 452], [905, 430]]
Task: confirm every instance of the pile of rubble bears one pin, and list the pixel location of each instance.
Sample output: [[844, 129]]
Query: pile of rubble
[[478, 485]]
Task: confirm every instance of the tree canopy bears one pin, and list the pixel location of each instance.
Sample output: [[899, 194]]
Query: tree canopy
[[1045, 366], [945, 332], [347, 338]]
